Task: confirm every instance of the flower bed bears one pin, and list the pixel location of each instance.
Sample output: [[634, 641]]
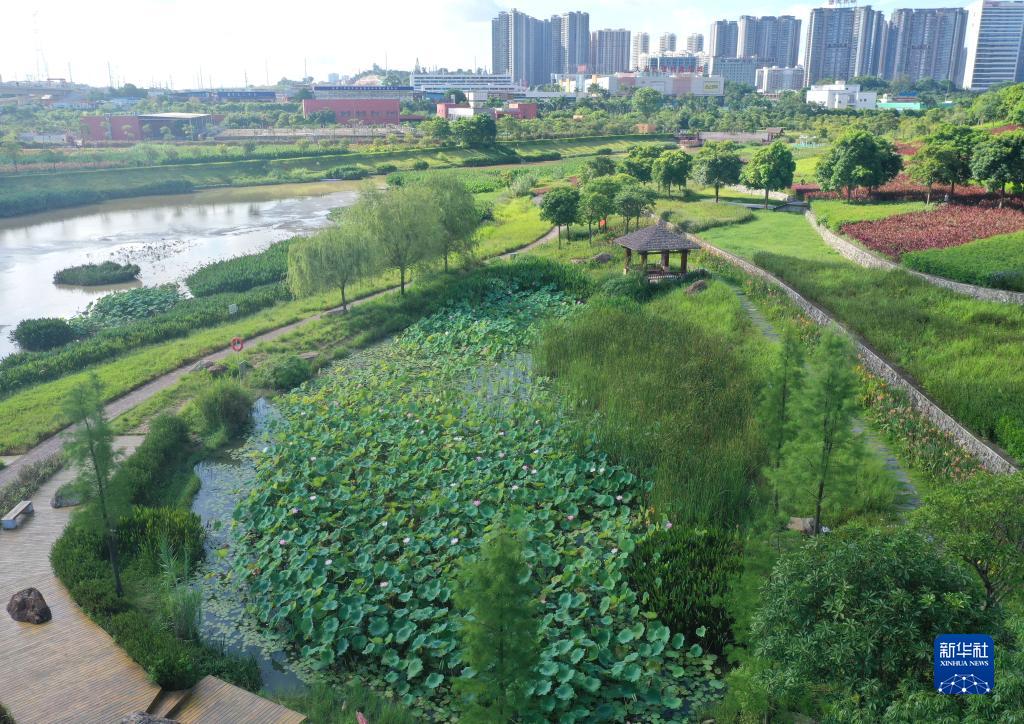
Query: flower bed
[[949, 225], [384, 476]]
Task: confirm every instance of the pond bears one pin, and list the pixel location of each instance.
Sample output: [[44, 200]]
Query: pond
[[167, 236], [224, 482]]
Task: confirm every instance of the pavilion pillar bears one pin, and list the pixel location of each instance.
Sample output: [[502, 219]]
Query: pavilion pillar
[[643, 260], [682, 268], [629, 260], [664, 261]]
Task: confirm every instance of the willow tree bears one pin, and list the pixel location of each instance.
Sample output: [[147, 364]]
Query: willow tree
[[335, 258], [403, 226], [459, 216]]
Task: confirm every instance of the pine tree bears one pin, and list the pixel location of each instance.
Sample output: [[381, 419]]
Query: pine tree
[[500, 634], [777, 405], [824, 453]]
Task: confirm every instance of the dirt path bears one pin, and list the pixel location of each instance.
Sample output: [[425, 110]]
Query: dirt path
[[119, 406]]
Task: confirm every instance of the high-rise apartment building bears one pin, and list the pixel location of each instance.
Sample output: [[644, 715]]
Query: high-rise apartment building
[[925, 43], [842, 43], [995, 35], [695, 43], [776, 80], [667, 43], [773, 40], [609, 51], [723, 38], [640, 45], [530, 50]]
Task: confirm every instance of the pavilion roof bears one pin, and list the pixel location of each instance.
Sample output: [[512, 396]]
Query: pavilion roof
[[657, 237]]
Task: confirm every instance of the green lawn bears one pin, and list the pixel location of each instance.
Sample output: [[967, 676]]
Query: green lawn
[[835, 213], [697, 216], [994, 262], [968, 354]]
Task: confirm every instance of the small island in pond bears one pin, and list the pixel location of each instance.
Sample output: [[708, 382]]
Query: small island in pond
[[91, 275]]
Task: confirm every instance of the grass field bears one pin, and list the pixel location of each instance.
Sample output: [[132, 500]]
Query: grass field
[[968, 354], [700, 215], [994, 262], [834, 214]]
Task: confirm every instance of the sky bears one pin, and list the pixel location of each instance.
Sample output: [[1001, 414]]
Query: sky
[[226, 42]]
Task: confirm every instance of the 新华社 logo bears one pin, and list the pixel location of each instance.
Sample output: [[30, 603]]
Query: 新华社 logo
[[965, 664]]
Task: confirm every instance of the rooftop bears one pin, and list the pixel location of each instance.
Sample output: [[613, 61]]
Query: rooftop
[[657, 238]]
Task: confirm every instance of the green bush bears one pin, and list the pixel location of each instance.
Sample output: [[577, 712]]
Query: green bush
[[540, 156], [686, 574], [224, 407], [109, 272], [142, 477], [633, 286], [1011, 280], [603, 152], [241, 273], [386, 168], [420, 166], [347, 173], [45, 333], [284, 372]]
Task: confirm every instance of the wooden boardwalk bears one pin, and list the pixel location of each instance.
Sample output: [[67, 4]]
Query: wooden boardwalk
[[213, 701], [67, 670]]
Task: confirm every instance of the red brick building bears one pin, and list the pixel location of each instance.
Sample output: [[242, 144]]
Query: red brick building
[[349, 110], [111, 128]]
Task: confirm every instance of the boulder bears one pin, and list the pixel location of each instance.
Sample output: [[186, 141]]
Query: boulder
[[141, 717], [203, 364], [698, 286], [29, 606], [603, 258], [66, 497], [578, 260], [216, 370], [805, 526]]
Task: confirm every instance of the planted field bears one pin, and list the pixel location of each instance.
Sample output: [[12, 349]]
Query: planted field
[[369, 497], [967, 354], [835, 213], [949, 225], [996, 262]]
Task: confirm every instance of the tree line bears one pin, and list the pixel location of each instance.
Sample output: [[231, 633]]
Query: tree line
[[394, 230]]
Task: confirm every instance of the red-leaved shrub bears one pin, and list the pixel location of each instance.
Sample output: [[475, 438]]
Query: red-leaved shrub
[[949, 225]]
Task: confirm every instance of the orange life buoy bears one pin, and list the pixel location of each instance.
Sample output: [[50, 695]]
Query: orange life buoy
[[236, 344]]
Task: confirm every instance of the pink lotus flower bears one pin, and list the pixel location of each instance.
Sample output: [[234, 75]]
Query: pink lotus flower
[[476, 503], [515, 487], [383, 584], [406, 539], [618, 497], [668, 526], [295, 511], [455, 541], [570, 517], [312, 498], [283, 542], [329, 561]]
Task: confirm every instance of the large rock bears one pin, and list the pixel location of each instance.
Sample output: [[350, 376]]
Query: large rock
[[29, 606], [602, 258], [66, 497], [141, 717], [698, 286]]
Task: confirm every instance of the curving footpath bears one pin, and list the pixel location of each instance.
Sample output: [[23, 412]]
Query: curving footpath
[[870, 260]]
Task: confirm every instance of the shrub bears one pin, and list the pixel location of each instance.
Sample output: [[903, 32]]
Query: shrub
[[36, 335], [686, 574], [603, 152], [347, 173], [633, 286], [109, 272], [225, 407], [386, 168], [142, 477], [29, 479], [284, 372], [855, 613], [540, 156], [420, 166], [1011, 280]]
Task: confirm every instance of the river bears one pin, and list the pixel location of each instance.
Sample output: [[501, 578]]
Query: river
[[167, 236]]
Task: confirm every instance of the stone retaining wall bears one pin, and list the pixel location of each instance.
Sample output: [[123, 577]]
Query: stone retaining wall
[[774, 195], [989, 456], [867, 259]]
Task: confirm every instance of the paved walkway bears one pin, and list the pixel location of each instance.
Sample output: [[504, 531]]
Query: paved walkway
[[67, 670]]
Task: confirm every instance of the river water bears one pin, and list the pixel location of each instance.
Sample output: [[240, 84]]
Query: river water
[[167, 236]]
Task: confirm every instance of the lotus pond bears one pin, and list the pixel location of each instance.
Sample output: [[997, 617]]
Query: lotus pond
[[377, 480]]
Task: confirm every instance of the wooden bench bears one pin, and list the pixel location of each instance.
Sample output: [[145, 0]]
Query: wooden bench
[[10, 521]]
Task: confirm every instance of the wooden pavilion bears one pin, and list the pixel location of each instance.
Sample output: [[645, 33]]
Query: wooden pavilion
[[657, 239]]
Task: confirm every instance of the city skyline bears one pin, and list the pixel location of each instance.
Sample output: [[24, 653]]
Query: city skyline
[[215, 45]]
